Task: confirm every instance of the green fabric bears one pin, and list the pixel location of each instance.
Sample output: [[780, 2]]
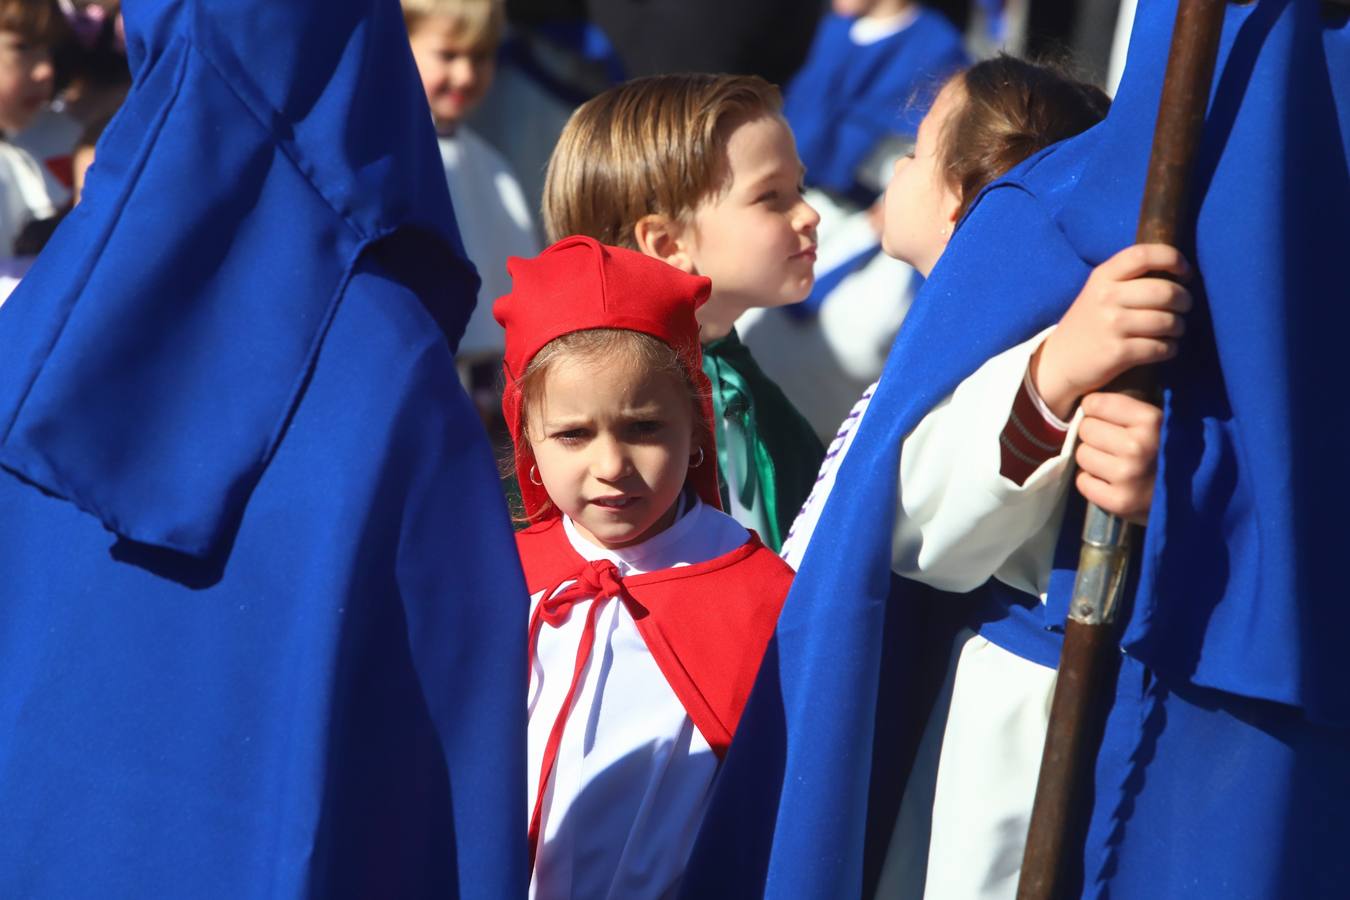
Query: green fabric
[[782, 453]]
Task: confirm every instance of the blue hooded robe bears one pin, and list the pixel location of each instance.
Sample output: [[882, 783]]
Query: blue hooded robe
[[261, 617], [1223, 768]]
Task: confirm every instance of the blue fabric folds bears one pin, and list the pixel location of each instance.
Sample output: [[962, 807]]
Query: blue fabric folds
[[1232, 704], [261, 149], [263, 619], [1242, 569]]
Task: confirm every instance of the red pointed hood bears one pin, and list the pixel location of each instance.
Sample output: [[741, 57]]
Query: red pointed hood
[[580, 284]]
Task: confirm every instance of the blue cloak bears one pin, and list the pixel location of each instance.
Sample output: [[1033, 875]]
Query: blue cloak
[[1222, 769], [263, 621]]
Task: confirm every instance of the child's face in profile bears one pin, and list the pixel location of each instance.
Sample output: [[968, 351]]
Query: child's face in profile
[[756, 239], [455, 73], [920, 205], [25, 80], [612, 445]]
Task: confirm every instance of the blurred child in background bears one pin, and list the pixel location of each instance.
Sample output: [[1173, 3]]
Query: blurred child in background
[[92, 80], [454, 43], [28, 32], [849, 106], [702, 172]]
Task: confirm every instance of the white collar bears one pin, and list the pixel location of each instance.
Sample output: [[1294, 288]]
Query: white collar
[[867, 30], [666, 550]]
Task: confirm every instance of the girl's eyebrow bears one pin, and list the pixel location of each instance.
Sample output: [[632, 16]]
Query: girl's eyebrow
[[627, 414], [646, 411], [565, 422]]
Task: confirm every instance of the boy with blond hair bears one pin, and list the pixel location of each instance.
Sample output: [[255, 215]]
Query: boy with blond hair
[[702, 172], [454, 43]]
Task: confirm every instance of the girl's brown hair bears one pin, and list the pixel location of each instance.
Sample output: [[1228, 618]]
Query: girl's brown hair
[[1009, 109], [650, 145]]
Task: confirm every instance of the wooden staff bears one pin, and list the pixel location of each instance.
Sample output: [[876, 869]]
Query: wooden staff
[[1091, 654]]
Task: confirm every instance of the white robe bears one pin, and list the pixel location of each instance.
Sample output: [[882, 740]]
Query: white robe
[[494, 222], [23, 195], [52, 135], [633, 773]]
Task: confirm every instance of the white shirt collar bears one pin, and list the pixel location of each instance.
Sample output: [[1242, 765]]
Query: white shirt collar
[[868, 30], [666, 550]]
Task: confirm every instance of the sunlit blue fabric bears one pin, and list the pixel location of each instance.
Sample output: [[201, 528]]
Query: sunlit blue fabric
[[1218, 774], [262, 628]]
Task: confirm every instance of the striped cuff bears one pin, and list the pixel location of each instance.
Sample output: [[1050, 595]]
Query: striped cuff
[[1032, 435]]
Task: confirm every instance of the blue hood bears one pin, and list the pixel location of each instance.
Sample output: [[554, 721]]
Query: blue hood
[[173, 318]]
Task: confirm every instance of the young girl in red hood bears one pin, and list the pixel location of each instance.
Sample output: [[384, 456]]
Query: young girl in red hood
[[651, 607]]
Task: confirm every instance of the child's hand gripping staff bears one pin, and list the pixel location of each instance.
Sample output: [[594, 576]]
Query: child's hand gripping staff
[[1129, 314], [1135, 321]]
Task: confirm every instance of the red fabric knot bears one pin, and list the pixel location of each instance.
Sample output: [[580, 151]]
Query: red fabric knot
[[597, 581]]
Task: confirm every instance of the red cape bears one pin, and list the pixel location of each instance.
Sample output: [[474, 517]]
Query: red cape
[[707, 625]]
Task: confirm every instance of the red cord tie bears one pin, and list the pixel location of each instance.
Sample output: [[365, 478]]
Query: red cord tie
[[597, 581]]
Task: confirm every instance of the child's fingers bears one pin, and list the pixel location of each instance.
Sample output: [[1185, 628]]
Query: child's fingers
[[1129, 502], [1141, 259], [1111, 468], [1112, 408], [1144, 351], [1118, 440], [1150, 323], [1153, 293], [1118, 453]]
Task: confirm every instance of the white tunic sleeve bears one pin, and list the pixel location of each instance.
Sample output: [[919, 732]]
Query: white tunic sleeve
[[958, 520], [23, 195]]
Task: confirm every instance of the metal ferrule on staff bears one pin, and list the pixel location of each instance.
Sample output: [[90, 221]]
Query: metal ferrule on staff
[[1103, 563]]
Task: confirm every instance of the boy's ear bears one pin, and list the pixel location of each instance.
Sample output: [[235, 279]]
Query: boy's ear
[[662, 238]]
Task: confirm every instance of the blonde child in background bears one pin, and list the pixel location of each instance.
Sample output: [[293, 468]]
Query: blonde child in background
[[652, 608], [454, 43], [701, 171]]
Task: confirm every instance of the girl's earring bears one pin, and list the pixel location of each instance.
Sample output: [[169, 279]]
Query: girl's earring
[[695, 465], [944, 231], [534, 478]]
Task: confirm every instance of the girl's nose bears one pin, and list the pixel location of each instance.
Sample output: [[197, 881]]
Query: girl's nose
[[610, 461]]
